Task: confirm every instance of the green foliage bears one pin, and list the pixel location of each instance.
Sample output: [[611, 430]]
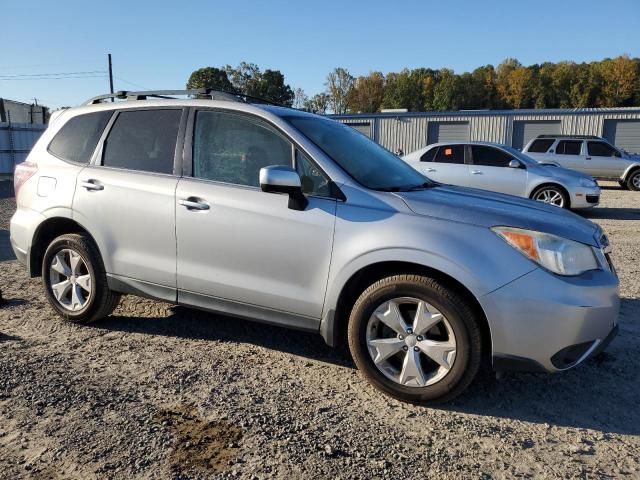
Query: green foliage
[[210, 77]]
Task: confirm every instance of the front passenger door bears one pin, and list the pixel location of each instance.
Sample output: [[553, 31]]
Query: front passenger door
[[490, 171], [240, 249], [605, 160]]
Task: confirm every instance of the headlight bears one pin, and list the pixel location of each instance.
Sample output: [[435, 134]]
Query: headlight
[[587, 182], [557, 254]]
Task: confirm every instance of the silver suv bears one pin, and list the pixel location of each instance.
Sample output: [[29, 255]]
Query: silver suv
[[290, 218], [588, 154]]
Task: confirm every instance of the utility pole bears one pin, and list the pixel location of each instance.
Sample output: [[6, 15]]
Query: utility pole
[[110, 76]]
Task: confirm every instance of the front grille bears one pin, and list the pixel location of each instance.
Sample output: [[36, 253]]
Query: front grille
[[593, 198]]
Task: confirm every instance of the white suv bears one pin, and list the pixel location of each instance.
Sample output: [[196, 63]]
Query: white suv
[[588, 154]]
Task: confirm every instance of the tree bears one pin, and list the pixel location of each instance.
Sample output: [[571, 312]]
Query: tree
[[319, 103], [210, 77], [367, 93], [299, 98], [247, 79], [514, 83], [619, 81], [339, 84], [404, 90], [446, 93]]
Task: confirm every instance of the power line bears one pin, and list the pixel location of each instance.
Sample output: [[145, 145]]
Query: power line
[[131, 83], [59, 74]]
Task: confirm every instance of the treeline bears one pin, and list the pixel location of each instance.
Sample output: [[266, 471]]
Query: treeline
[[607, 83]]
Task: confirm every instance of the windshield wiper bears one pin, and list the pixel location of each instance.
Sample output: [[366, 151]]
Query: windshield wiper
[[422, 186], [411, 188]]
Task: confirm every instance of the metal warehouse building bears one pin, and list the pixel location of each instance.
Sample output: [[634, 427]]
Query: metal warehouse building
[[411, 131]]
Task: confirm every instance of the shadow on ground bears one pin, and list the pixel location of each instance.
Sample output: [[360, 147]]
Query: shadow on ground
[[603, 394], [607, 213], [6, 252]]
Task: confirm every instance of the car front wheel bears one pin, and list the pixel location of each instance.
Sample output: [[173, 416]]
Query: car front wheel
[[633, 182], [75, 280], [551, 195], [415, 339]]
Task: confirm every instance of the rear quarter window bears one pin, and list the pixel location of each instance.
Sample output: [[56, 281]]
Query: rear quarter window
[[428, 155], [541, 145], [77, 139]]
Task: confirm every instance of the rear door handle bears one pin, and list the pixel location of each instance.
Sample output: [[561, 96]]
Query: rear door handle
[[193, 203], [91, 184], [588, 158], [429, 169], [476, 172]]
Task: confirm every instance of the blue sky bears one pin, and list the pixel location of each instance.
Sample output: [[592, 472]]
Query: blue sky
[[157, 44]]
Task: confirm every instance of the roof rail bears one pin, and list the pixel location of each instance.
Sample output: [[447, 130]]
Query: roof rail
[[143, 95], [580, 137]]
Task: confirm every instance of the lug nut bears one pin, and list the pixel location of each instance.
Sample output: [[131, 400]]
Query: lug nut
[[420, 338], [400, 337], [416, 349], [405, 348], [409, 331]]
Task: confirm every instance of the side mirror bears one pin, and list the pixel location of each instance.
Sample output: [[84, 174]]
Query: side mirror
[[515, 164], [284, 179]]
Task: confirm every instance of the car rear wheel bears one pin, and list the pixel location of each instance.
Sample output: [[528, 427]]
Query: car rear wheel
[[633, 182], [414, 339], [551, 195], [75, 280]]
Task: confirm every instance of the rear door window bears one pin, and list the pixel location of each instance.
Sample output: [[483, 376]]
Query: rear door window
[[601, 149], [541, 145], [489, 156], [143, 140], [569, 147], [78, 138], [450, 154], [429, 155]]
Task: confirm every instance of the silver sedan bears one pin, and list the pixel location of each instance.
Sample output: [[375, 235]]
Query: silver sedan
[[500, 168]]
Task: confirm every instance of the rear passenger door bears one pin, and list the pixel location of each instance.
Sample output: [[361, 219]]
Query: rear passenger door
[[126, 197], [446, 164], [490, 171], [568, 153]]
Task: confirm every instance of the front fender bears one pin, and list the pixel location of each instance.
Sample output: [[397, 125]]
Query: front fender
[[628, 170]]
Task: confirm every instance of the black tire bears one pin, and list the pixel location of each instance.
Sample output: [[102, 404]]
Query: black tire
[[623, 184], [459, 315], [633, 180], [566, 203], [102, 301]]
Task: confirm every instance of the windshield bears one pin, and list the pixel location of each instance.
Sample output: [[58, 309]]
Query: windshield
[[519, 155], [363, 159]]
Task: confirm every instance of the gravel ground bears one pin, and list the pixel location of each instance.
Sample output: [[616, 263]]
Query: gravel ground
[[158, 391]]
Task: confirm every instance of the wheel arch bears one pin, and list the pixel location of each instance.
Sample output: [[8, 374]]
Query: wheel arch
[[45, 233], [333, 326], [630, 170]]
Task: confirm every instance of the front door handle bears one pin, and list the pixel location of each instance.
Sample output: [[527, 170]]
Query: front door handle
[[91, 184], [193, 203], [588, 158], [476, 172], [429, 169]]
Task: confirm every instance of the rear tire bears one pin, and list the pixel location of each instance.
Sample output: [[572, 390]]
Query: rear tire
[[633, 180], [75, 281], [551, 195], [420, 361]]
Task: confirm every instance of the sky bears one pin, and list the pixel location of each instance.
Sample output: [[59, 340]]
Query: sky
[[157, 44]]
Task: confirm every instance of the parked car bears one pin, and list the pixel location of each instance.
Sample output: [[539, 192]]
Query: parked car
[[500, 168], [290, 218], [588, 154]]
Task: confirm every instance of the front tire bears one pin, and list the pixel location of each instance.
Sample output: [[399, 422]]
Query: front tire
[[633, 181], [75, 281], [551, 195], [414, 339]]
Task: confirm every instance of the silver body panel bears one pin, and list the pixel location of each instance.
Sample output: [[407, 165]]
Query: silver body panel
[[247, 254]]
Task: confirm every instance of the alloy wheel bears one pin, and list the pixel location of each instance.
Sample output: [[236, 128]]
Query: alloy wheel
[[635, 180], [550, 196], [70, 280], [411, 342]]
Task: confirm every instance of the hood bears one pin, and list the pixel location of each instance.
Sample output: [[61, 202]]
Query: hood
[[559, 173], [489, 209]]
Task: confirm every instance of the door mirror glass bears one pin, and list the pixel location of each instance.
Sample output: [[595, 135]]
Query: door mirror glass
[[283, 179], [515, 164]]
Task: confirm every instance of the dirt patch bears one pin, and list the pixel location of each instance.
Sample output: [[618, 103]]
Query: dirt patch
[[200, 445]]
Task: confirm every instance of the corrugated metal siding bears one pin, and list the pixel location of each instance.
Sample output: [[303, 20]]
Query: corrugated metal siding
[[409, 130], [16, 140], [624, 134], [524, 130]]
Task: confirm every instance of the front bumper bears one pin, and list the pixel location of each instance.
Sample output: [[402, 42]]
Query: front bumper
[[545, 322], [585, 197]]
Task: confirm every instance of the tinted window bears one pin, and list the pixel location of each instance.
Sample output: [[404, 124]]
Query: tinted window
[[541, 145], [490, 157], [450, 154], [364, 160], [601, 149], [143, 140], [569, 147], [429, 155], [78, 138], [312, 179], [233, 148]]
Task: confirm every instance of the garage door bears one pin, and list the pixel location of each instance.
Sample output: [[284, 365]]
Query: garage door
[[362, 127], [523, 131], [623, 134], [447, 132]]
